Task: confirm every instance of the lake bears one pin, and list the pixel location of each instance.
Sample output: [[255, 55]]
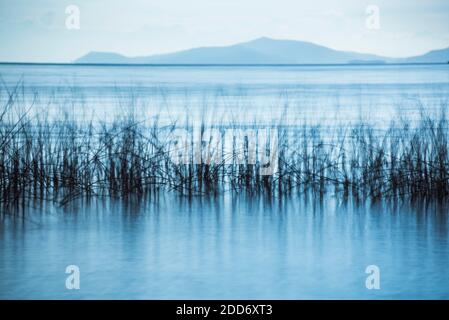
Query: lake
[[228, 246], [325, 95]]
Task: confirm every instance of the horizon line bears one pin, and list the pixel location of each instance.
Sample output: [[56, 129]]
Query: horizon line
[[218, 64]]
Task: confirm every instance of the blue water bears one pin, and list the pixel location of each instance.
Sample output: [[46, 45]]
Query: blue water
[[171, 248], [325, 95], [225, 247]]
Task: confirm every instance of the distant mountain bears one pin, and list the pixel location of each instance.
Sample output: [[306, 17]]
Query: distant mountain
[[441, 55], [103, 57], [260, 51]]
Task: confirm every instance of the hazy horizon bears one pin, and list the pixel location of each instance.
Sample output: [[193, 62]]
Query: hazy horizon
[[213, 46]]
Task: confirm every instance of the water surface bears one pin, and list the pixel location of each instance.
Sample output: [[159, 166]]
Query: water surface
[[326, 95], [226, 248]]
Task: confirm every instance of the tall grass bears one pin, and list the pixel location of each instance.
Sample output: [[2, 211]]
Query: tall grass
[[63, 160]]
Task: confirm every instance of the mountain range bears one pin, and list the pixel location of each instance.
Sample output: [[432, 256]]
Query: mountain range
[[262, 51]]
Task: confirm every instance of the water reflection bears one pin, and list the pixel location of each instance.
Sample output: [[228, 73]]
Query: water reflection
[[226, 247]]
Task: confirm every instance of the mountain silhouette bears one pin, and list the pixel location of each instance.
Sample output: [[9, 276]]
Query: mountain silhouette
[[261, 51]]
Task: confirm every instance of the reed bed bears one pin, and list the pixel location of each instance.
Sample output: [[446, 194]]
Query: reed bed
[[62, 160]]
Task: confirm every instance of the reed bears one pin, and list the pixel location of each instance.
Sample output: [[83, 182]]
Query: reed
[[63, 160]]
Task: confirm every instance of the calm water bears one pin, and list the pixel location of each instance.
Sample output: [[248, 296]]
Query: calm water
[[327, 95], [228, 247]]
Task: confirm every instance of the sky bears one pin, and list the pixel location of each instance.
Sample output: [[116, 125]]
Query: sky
[[42, 30]]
